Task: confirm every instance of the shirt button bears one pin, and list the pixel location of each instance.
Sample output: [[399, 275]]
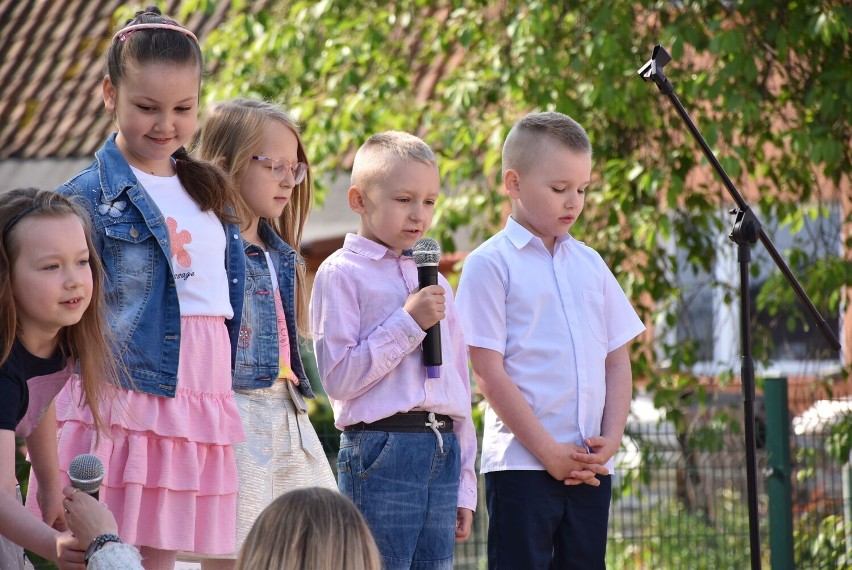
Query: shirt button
[[234, 281], [236, 236], [411, 339]]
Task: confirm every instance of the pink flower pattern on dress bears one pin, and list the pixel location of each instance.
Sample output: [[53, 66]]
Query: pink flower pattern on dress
[[178, 240]]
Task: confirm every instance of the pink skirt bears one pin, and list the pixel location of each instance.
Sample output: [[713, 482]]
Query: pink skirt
[[170, 471]]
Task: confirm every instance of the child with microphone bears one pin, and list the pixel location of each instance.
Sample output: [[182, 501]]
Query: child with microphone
[[408, 445], [52, 328]]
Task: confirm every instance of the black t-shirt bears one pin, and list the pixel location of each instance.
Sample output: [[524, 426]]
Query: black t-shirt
[[18, 368]]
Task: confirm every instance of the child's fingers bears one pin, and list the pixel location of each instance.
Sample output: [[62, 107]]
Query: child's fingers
[[582, 478], [596, 441], [589, 458], [464, 522]]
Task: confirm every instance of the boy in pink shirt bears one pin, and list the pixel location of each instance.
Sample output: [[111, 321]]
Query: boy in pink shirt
[[408, 445]]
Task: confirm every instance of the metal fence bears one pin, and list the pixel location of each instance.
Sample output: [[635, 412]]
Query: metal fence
[[680, 496]]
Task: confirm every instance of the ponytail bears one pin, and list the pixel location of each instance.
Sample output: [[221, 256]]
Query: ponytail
[[207, 184]]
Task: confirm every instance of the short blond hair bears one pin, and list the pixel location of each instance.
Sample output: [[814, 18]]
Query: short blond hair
[[312, 527], [376, 157], [525, 140]]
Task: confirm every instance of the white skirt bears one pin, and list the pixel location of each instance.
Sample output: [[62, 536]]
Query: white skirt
[[281, 452]]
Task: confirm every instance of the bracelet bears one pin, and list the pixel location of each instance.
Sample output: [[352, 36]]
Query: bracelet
[[98, 543]]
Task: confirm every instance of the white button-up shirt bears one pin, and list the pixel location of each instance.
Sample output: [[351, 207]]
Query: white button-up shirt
[[554, 319]]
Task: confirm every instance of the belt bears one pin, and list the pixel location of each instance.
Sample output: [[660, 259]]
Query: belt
[[410, 422]]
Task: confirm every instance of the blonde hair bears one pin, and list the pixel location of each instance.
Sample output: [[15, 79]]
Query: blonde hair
[[228, 137], [525, 140], [375, 159], [310, 529], [88, 343]]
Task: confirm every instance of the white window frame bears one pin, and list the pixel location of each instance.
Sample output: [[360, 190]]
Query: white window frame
[[727, 352]]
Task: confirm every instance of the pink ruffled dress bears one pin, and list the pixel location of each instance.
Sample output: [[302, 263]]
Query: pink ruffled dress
[[170, 472]]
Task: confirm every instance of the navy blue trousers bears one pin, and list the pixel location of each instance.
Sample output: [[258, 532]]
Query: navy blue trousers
[[539, 523]]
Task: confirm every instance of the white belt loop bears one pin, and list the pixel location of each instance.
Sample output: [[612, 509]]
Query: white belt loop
[[434, 424]]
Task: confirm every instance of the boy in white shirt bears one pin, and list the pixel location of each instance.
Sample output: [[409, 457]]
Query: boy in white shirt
[[547, 326]]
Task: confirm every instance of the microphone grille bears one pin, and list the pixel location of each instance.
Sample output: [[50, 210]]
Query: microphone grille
[[86, 472], [426, 252]]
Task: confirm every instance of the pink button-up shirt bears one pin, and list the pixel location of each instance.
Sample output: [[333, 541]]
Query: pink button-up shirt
[[368, 348]]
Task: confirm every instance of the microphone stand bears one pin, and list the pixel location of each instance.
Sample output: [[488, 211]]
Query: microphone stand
[[746, 231]]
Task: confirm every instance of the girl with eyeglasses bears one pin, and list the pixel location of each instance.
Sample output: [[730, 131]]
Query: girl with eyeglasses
[[259, 145]]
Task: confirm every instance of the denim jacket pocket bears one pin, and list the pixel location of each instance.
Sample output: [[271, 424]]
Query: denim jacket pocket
[[128, 232]]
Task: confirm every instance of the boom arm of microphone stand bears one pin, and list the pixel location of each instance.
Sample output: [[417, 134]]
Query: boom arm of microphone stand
[[653, 70]]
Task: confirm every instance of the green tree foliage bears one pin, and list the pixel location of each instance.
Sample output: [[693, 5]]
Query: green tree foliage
[[768, 83]]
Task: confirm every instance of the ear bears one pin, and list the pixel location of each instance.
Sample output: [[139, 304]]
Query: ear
[[109, 94], [512, 183], [356, 200]]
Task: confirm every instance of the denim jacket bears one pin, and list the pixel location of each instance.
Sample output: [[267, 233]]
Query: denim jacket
[[132, 239], [256, 362]]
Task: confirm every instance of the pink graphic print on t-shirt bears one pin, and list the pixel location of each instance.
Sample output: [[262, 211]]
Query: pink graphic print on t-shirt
[[178, 240]]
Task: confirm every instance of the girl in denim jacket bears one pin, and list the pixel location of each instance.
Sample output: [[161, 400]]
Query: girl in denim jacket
[[259, 145], [175, 286]]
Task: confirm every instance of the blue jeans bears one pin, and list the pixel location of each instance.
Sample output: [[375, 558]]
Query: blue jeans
[[408, 492], [539, 523]]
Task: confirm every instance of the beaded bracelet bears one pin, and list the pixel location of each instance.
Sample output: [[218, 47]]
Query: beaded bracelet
[[98, 543]]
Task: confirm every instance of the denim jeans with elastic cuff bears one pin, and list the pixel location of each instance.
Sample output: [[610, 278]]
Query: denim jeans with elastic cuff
[[407, 490]]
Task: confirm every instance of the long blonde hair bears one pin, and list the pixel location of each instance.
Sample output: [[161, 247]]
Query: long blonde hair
[[88, 342], [311, 528], [228, 137]]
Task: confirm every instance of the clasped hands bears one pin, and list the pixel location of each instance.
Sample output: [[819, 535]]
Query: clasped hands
[[575, 464]]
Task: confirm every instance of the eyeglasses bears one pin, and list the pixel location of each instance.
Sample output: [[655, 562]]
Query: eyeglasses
[[279, 166]]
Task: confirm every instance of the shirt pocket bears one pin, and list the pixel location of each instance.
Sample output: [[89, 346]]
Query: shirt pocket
[[593, 303]]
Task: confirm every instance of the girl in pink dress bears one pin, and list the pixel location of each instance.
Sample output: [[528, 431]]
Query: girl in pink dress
[[174, 262]]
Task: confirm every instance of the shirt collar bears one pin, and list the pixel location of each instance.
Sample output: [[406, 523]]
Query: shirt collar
[[366, 247], [521, 236]]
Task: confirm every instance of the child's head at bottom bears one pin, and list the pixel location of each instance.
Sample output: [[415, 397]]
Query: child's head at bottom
[[314, 528], [394, 187], [547, 164]]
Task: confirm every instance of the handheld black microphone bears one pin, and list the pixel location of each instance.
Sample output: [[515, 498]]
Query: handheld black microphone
[[86, 473], [427, 254]]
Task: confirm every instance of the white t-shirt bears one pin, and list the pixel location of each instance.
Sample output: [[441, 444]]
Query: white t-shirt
[[554, 319], [198, 248]]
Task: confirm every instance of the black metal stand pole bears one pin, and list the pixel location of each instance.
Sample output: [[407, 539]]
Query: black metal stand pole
[[747, 230], [744, 235]]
